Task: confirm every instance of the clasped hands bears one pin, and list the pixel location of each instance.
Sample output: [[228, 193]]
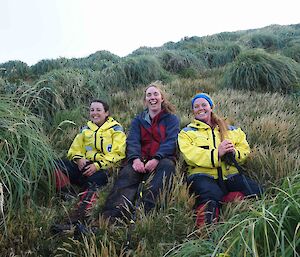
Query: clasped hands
[[86, 168], [140, 167], [225, 147]]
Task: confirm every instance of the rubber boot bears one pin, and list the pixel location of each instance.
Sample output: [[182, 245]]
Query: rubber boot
[[61, 180], [81, 213], [232, 197], [207, 213], [87, 199]]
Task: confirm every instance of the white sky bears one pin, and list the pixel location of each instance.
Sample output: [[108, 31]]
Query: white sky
[[32, 30]]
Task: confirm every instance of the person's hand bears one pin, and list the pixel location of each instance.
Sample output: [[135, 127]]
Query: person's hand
[[151, 165], [225, 147], [81, 163], [138, 166], [89, 170]]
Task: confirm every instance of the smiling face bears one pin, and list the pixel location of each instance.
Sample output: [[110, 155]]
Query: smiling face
[[153, 99], [98, 114], [202, 110]]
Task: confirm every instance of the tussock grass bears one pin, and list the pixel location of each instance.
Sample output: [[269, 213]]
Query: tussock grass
[[259, 71], [65, 126], [130, 72], [292, 52], [182, 62], [14, 71], [26, 156], [264, 40]]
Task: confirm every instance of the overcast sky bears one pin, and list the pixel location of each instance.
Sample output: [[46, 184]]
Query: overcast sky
[[32, 30]]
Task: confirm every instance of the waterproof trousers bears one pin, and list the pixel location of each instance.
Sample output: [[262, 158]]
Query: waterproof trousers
[[210, 195], [125, 188], [68, 172]]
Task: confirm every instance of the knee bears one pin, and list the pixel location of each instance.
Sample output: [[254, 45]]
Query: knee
[[99, 178], [166, 162], [167, 166], [205, 194]]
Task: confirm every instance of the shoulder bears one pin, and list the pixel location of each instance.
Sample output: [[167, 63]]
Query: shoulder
[[232, 128], [236, 131], [117, 127], [83, 128], [170, 117], [114, 125], [188, 128]]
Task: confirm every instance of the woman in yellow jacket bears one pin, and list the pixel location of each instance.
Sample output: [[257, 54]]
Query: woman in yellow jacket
[[99, 146], [213, 152]]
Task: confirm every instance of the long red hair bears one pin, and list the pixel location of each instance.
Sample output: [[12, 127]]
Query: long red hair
[[166, 105]]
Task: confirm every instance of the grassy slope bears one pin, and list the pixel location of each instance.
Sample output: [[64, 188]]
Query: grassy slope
[[268, 227]]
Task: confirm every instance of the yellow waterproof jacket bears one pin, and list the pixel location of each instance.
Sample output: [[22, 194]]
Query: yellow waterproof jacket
[[199, 143], [104, 145]]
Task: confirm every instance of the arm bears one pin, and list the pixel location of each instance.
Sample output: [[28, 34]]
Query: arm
[[134, 150], [77, 149], [242, 148], [76, 152], [168, 147], [195, 155]]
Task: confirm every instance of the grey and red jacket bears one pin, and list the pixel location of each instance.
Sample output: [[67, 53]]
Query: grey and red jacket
[[153, 139]]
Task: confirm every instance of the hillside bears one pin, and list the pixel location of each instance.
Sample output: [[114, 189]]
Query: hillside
[[253, 77]]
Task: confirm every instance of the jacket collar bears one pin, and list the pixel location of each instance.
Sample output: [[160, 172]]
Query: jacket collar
[[106, 125], [199, 124], [146, 116]]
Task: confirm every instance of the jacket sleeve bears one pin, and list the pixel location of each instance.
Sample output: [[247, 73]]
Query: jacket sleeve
[[242, 148], [195, 155], [117, 153], [168, 147], [133, 146], [77, 150]]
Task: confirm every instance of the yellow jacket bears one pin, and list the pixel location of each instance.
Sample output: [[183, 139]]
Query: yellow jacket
[[104, 145], [198, 143]]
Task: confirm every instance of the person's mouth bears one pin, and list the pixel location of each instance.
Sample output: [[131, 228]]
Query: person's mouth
[[153, 102]]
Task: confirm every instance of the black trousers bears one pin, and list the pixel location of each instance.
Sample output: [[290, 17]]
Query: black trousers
[[125, 188], [75, 175], [208, 189]]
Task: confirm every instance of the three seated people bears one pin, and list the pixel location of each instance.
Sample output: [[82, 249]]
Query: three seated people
[[212, 150]]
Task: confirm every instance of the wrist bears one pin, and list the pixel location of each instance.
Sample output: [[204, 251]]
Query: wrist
[[156, 157]]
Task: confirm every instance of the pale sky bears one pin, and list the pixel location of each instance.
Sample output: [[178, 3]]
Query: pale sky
[[32, 30]]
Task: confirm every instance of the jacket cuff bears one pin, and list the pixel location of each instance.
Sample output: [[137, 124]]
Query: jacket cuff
[[98, 165], [157, 157], [76, 157]]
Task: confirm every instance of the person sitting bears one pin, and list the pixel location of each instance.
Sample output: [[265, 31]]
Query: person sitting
[[151, 150], [99, 146], [214, 152]]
